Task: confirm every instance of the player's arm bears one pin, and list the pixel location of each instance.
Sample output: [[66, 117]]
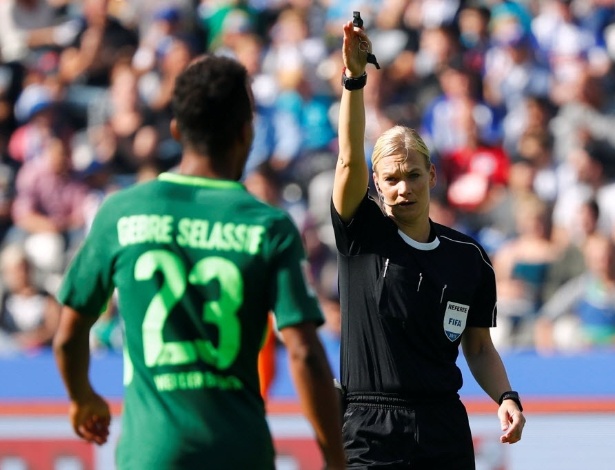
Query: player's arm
[[89, 413], [488, 369], [351, 172], [313, 381]]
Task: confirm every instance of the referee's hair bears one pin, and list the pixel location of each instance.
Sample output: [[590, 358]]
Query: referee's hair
[[399, 140], [211, 104]]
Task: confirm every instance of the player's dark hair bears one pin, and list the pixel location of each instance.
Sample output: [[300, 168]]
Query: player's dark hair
[[211, 104]]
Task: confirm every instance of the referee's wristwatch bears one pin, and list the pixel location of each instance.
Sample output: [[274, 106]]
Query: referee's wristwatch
[[511, 395], [353, 83]]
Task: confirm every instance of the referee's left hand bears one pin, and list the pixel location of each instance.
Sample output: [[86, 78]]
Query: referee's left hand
[[512, 421]]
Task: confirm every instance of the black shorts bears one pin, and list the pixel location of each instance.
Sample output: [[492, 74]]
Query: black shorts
[[384, 432]]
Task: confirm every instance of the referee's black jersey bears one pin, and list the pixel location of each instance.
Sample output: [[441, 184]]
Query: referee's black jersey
[[406, 304]]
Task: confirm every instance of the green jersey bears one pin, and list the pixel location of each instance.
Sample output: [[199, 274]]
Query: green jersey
[[198, 264]]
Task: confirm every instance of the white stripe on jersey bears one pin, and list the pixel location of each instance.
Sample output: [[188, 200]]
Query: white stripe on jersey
[[485, 261]]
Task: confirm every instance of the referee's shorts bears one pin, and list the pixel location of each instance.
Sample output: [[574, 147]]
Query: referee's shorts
[[384, 432]]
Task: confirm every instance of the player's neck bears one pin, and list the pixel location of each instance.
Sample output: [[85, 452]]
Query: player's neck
[[193, 164]]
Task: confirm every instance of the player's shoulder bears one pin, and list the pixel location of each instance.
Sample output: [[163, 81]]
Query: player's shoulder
[[268, 213], [128, 195]]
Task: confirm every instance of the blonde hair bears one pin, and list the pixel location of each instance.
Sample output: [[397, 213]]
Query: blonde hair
[[399, 140]]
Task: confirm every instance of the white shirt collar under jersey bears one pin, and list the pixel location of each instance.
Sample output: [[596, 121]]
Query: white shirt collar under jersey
[[418, 245]]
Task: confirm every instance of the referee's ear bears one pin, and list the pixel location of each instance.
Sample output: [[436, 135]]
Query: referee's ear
[[433, 176]]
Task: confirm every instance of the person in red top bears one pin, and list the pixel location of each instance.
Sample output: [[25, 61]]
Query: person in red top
[[477, 172]]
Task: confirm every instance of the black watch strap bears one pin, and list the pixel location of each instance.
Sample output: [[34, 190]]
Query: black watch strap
[[354, 83], [511, 395]]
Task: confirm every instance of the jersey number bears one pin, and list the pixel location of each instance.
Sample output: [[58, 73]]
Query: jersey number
[[221, 312]]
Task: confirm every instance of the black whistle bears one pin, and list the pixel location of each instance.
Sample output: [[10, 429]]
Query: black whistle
[[356, 19]]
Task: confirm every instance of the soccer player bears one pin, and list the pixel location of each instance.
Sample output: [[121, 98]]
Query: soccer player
[[412, 291], [198, 263]]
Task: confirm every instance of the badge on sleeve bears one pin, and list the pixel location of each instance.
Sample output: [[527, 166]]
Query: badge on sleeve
[[455, 319]]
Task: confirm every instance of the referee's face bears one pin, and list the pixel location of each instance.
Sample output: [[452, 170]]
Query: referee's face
[[404, 183]]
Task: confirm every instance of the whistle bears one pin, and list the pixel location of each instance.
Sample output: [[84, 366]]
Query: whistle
[[356, 19]]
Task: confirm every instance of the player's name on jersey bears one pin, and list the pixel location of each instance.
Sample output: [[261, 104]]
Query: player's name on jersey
[[188, 232], [193, 380]]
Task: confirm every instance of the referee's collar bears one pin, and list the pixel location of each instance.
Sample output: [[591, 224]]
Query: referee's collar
[[433, 244], [201, 181]]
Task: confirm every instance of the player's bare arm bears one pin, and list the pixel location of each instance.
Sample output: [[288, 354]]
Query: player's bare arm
[[89, 413], [313, 380]]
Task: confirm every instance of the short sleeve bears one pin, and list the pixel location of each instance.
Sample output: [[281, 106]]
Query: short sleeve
[[484, 305], [351, 238], [88, 282], [293, 299]]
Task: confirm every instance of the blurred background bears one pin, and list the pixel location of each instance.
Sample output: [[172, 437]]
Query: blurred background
[[515, 99]]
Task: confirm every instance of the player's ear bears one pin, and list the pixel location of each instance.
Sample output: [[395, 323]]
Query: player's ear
[[175, 132], [247, 133]]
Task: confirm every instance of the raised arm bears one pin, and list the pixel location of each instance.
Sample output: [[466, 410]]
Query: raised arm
[[351, 172]]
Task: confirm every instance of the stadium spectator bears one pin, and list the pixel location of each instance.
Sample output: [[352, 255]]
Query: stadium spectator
[[533, 115], [581, 313], [566, 44], [86, 64], [521, 266], [441, 117], [48, 209], [536, 146], [121, 118], [500, 222], [474, 35], [28, 27], [586, 111], [218, 19], [301, 117], [569, 262], [265, 88], [29, 315], [8, 170], [438, 47], [157, 38], [589, 178], [36, 111], [513, 73], [475, 172], [155, 89]]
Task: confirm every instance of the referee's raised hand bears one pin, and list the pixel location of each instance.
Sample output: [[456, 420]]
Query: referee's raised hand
[[355, 49]]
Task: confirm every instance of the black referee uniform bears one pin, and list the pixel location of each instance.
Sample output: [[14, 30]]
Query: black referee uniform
[[404, 308]]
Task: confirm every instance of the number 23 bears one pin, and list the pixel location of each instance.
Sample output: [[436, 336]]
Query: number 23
[[221, 312]]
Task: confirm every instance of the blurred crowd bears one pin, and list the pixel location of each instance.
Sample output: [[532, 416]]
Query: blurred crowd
[[515, 99]]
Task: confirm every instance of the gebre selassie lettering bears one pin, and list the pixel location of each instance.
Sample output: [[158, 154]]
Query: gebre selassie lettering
[[188, 232]]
